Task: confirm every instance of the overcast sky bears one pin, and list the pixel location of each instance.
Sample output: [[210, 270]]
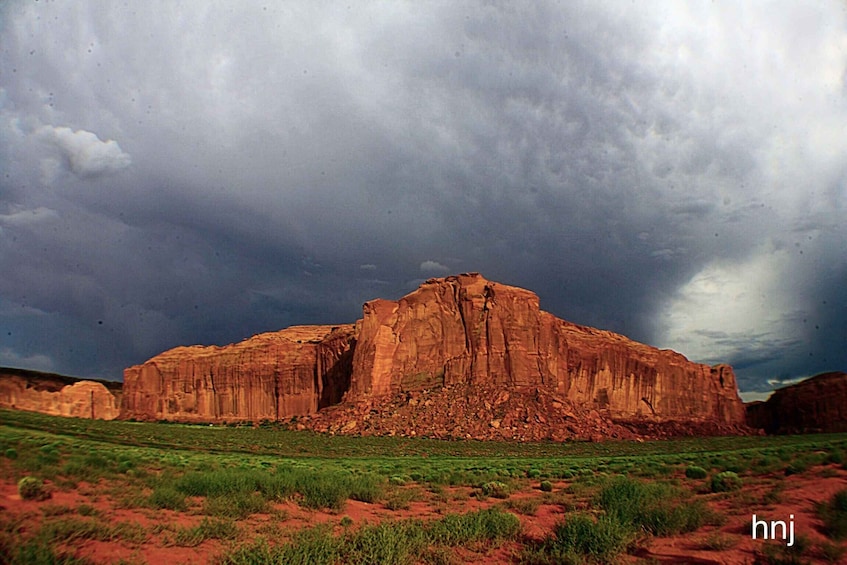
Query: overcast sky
[[199, 172]]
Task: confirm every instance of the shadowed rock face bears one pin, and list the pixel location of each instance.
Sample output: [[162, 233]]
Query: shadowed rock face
[[455, 332], [58, 395], [818, 404]]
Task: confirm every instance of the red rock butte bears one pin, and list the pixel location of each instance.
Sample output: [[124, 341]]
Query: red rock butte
[[818, 404], [459, 333]]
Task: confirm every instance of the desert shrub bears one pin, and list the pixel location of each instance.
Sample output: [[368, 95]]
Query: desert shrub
[[495, 489], [49, 454], [11, 453], [546, 486], [726, 481], [780, 554], [124, 466], [366, 488], [237, 505], [396, 481], [836, 456], [32, 488], [206, 529], [322, 490], [533, 473], [567, 474], [717, 541], [655, 507], [391, 543], [766, 462], [460, 529], [525, 506], [694, 472], [582, 537], [70, 529], [399, 499], [39, 551], [795, 468], [834, 515], [403, 542], [168, 498], [311, 545]]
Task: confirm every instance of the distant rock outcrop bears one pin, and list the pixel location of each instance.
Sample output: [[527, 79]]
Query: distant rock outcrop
[[270, 376], [436, 362], [58, 395], [818, 404]]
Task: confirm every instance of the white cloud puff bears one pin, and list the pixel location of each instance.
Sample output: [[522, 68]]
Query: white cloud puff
[[88, 156], [434, 267]]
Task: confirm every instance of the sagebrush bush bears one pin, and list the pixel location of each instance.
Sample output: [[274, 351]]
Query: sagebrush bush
[[32, 488], [495, 489], [726, 481], [546, 486], [694, 472]]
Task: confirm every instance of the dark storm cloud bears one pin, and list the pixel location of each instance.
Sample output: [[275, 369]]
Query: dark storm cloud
[[205, 171]]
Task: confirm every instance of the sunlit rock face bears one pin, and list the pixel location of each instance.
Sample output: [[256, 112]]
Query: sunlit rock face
[[270, 376], [58, 396], [818, 404], [456, 332], [467, 330]]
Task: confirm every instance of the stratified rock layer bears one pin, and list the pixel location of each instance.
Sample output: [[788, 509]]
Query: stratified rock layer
[[57, 395], [270, 376], [818, 404], [452, 344]]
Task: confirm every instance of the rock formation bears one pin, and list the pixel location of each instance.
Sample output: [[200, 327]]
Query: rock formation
[[458, 343], [818, 404], [270, 376], [467, 330], [58, 395]]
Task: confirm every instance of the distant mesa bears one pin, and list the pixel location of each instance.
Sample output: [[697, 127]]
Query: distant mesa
[[59, 395], [460, 357], [818, 404]]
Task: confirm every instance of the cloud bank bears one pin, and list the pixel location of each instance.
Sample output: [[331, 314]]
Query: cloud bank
[[672, 171]]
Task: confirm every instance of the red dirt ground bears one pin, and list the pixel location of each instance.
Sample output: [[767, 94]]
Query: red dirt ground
[[799, 497]]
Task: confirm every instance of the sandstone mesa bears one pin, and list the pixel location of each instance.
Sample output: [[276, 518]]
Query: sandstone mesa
[[460, 356]]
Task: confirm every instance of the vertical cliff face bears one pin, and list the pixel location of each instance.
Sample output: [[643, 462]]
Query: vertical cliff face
[[468, 330], [57, 396], [818, 404], [461, 329], [267, 377]]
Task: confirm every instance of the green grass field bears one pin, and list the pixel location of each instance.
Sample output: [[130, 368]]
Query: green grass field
[[617, 495]]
